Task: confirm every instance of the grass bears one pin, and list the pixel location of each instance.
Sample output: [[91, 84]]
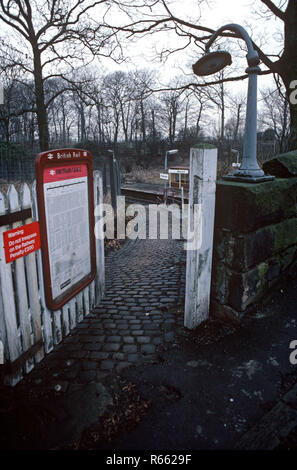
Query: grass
[[141, 175], [152, 175]]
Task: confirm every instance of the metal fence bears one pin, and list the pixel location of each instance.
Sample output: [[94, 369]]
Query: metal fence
[[17, 170], [17, 166], [17, 162]]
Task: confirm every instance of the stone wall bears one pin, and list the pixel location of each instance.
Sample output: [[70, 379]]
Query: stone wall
[[255, 237]]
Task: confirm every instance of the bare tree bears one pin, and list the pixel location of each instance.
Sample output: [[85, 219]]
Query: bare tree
[[275, 116], [16, 116], [154, 16], [218, 95], [236, 105], [172, 108], [54, 33]]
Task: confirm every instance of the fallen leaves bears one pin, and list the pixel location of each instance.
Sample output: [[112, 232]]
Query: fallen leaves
[[128, 410]]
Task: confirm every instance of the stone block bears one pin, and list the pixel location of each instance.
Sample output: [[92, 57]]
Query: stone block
[[224, 312], [143, 339], [148, 349], [130, 348], [242, 251], [107, 364], [283, 166], [111, 347], [122, 365], [243, 207], [128, 339], [288, 257], [246, 288], [220, 282]]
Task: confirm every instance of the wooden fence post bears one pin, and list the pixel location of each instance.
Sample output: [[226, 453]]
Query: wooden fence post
[[9, 321], [20, 283], [46, 314], [32, 281], [203, 169]]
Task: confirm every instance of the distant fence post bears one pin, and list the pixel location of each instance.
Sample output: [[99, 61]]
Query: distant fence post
[[99, 233], [117, 175], [203, 168], [112, 181], [104, 176]]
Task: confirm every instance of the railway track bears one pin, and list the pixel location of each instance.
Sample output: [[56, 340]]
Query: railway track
[[136, 195]]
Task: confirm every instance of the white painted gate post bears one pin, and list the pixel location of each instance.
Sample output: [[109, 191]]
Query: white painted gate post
[[203, 170]]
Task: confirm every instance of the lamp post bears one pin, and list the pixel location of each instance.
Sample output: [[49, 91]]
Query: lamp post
[[168, 152], [212, 62]]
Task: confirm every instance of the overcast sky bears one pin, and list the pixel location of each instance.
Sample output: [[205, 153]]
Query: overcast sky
[[264, 30], [215, 13]]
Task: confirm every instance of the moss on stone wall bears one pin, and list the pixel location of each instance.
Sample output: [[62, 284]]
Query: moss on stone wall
[[243, 207], [255, 241], [283, 166]]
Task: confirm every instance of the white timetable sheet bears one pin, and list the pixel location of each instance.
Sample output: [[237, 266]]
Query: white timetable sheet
[[67, 224]]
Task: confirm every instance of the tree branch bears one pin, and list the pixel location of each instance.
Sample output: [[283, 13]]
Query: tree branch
[[206, 84], [275, 10], [149, 25], [13, 18]]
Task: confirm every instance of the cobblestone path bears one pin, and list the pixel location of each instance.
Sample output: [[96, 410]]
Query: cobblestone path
[[137, 318]]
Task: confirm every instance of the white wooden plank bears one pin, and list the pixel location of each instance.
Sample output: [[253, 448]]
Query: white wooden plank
[[92, 294], [65, 320], [203, 169], [9, 308], [20, 284], [3, 336], [47, 326], [80, 307], [73, 314], [57, 326], [31, 272], [86, 296]]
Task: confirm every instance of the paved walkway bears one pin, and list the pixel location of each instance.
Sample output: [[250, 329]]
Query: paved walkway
[[145, 284], [218, 387], [134, 323]]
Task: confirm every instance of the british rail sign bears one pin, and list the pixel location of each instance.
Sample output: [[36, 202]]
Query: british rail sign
[[65, 198]]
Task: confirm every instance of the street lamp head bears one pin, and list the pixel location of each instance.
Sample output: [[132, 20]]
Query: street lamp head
[[172, 152], [212, 62], [110, 151]]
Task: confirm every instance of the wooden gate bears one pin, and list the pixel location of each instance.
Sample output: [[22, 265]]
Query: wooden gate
[[28, 329]]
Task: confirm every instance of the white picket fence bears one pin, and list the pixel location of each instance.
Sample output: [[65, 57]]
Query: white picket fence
[[28, 329]]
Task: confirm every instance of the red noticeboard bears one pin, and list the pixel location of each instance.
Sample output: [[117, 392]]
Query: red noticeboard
[[21, 241], [65, 198]]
